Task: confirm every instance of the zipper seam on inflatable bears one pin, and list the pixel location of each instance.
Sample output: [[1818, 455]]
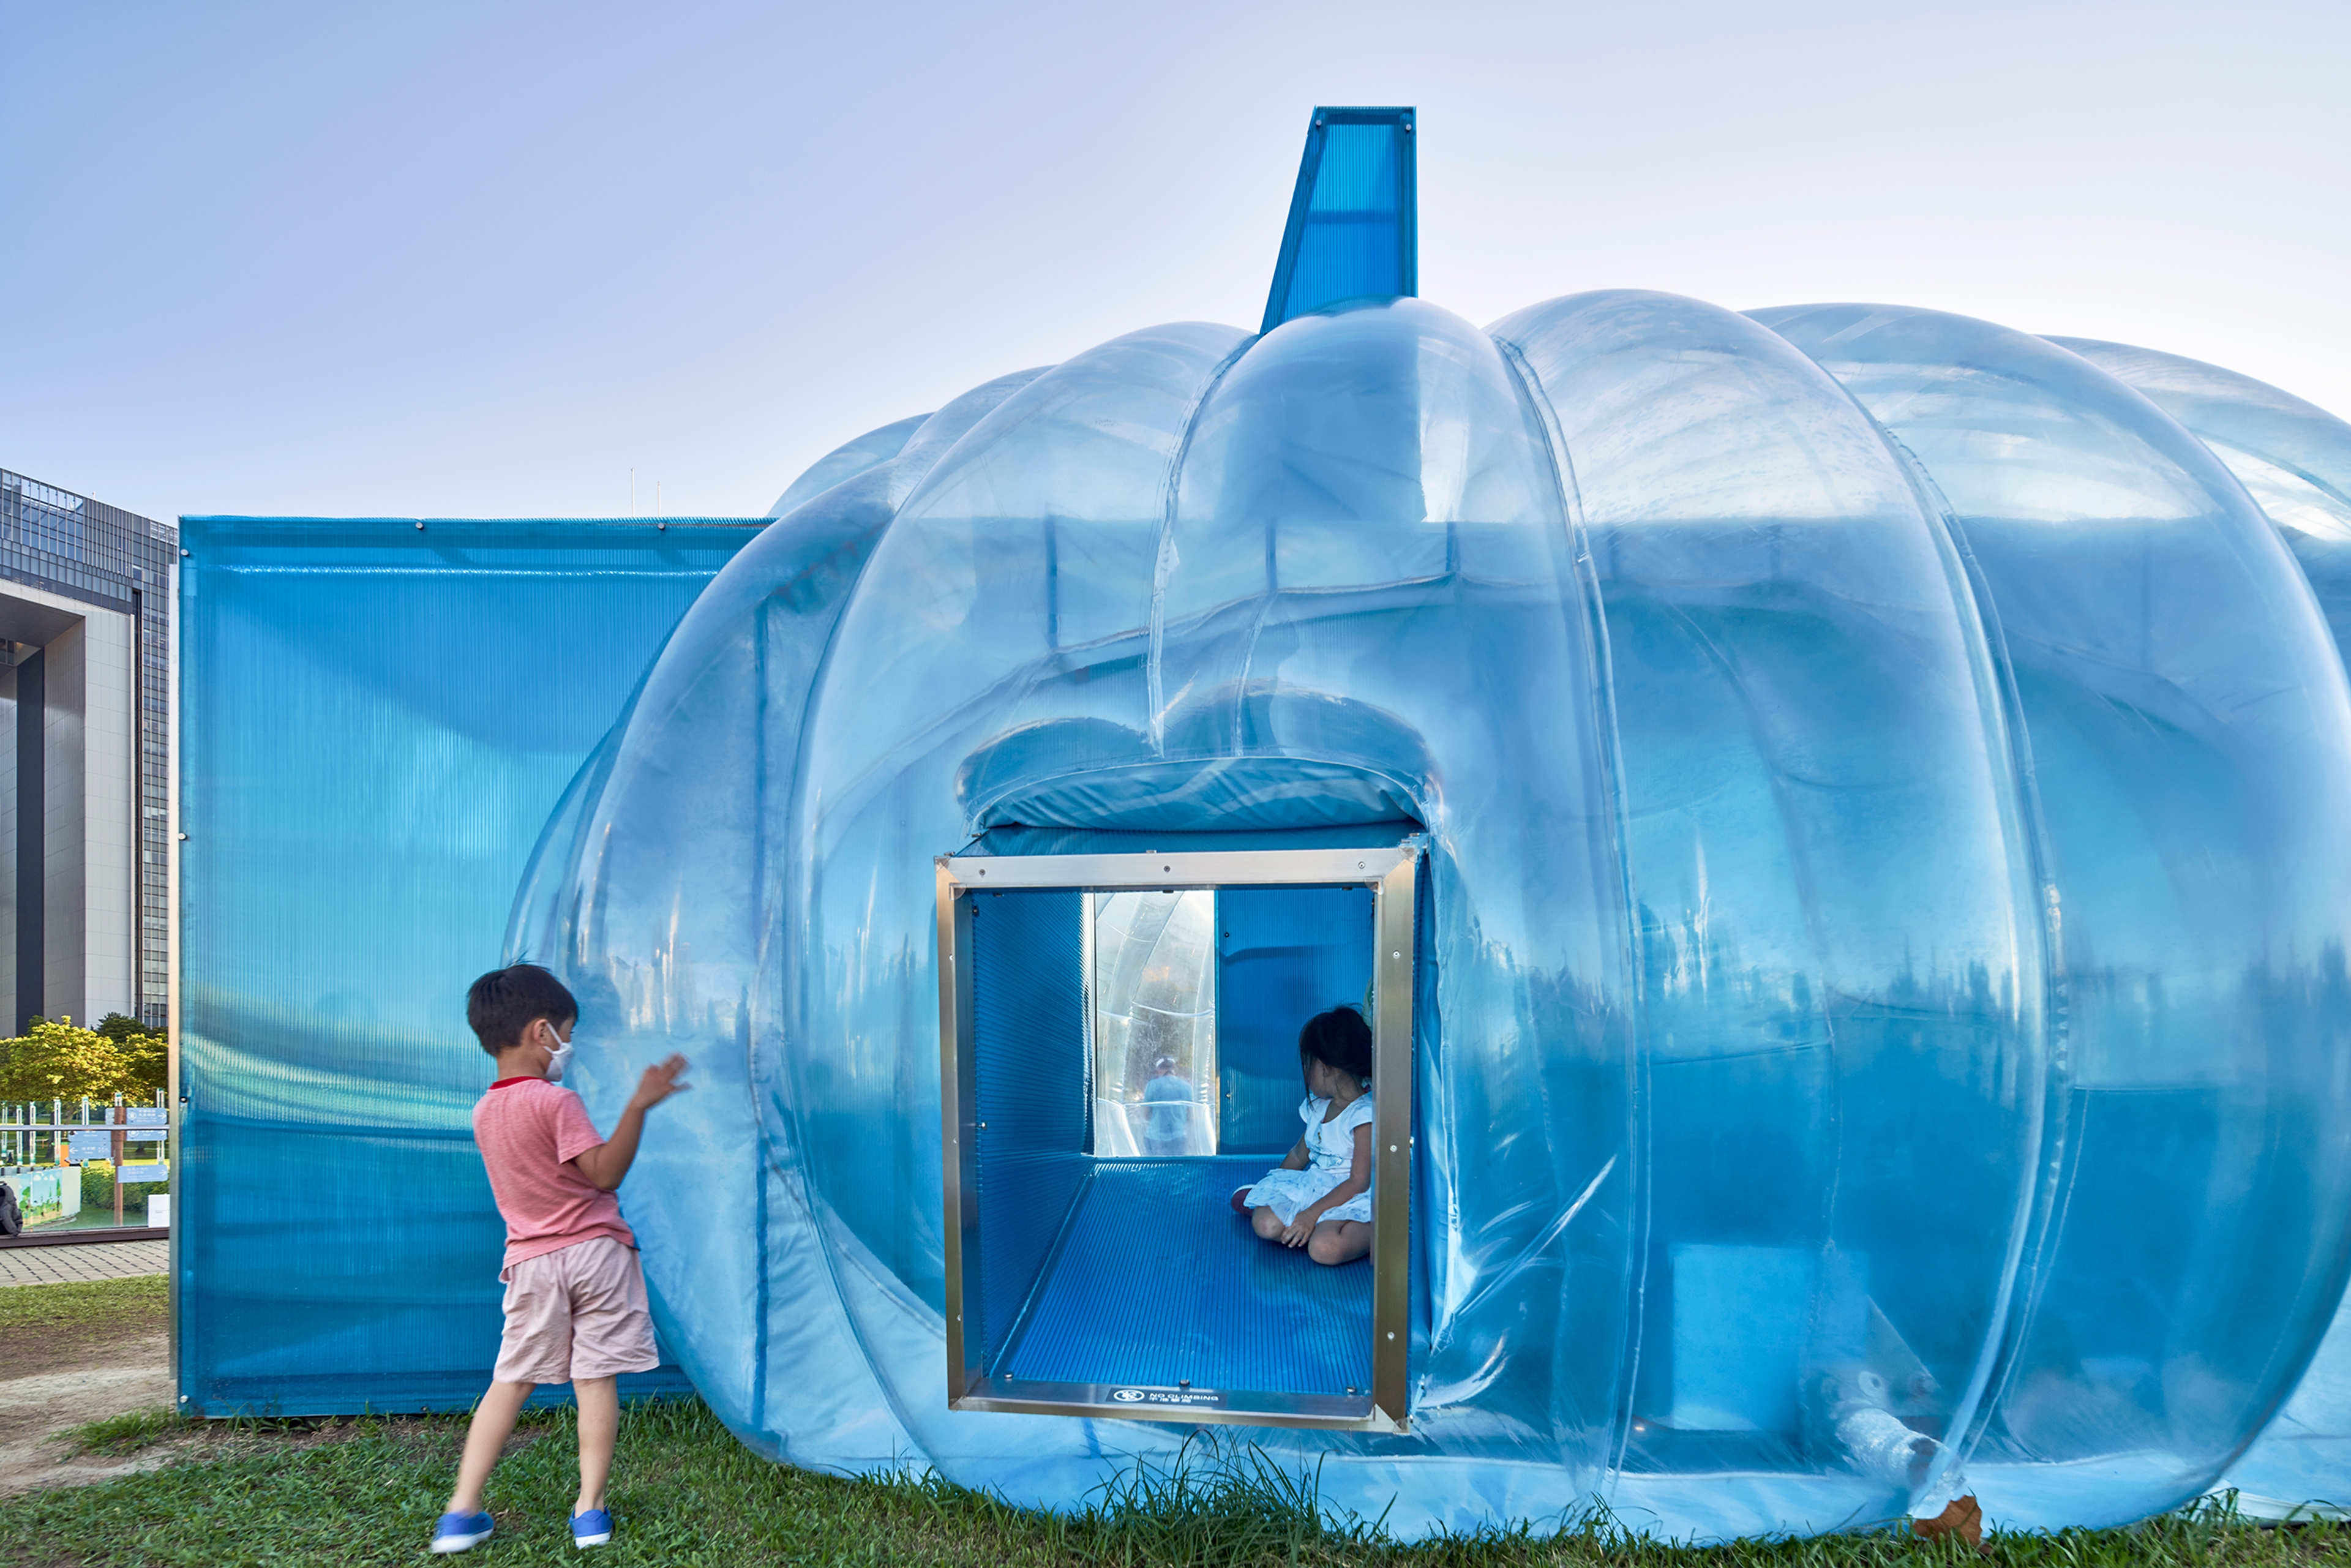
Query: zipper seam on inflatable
[[1603, 689], [769, 920], [1171, 492], [817, 682], [2045, 1203], [759, 849]]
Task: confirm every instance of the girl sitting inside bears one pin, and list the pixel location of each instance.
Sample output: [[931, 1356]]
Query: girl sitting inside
[[1319, 1196]]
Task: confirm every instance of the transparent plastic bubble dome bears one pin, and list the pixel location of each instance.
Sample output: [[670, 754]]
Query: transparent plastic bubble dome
[[1875, 782]]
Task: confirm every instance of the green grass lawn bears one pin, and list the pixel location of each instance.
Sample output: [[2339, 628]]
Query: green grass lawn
[[96, 1303], [686, 1492], [65, 1328]]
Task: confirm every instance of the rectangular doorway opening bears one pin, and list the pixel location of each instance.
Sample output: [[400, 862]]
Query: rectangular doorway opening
[[1118, 1055]]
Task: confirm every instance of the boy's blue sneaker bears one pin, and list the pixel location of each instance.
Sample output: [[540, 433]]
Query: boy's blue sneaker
[[592, 1528], [461, 1532]]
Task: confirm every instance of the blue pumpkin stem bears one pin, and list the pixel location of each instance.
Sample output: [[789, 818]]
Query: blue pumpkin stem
[[1354, 231]]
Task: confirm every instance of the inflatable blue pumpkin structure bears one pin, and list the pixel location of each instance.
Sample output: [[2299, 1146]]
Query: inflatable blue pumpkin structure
[[1835, 815]]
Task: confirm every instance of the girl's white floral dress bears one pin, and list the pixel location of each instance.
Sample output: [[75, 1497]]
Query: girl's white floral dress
[[1330, 1155]]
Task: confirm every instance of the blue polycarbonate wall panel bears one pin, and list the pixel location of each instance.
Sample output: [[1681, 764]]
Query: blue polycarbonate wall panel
[[1352, 227], [1029, 1069], [377, 719], [1284, 953]]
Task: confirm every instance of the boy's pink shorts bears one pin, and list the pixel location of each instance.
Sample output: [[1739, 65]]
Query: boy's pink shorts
[[579, 1312]]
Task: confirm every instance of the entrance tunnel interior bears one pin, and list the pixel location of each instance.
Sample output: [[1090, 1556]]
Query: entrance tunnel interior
[[1132, 1059]]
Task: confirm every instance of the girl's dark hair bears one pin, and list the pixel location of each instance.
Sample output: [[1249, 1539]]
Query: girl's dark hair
[[1338, 1038]]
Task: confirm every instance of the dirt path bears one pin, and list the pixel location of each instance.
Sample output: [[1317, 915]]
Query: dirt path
[[37, 1407]]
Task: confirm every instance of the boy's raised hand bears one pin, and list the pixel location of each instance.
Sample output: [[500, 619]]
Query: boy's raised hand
[[608, 1162], [659, 1082]]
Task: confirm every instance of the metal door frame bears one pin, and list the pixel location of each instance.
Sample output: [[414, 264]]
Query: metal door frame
[[1391, 873]]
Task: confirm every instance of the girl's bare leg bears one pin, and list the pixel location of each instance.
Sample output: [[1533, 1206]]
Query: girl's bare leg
[[1265, 1223], [1339, 1242]]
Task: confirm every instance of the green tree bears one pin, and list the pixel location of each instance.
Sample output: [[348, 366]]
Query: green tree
[[146, 1052], [56, 1061], [149, 1058]]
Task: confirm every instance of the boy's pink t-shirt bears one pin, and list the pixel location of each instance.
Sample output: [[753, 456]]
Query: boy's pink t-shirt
[[528, 1130]]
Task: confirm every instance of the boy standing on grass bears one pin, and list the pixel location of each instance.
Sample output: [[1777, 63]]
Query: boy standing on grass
[[575, 1302]]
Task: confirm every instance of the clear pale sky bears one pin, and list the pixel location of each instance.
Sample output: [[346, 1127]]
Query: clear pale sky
[[485, 258]]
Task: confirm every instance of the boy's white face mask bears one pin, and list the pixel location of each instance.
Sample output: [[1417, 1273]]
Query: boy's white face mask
[[560, 1060]]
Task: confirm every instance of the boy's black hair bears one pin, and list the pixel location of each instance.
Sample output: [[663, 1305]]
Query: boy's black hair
[[1338, 1038], [502, 1004]]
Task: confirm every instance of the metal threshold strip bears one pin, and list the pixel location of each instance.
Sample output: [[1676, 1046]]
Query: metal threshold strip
[[1209, 1406]]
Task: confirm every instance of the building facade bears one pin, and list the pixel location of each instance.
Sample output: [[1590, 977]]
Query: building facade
[[85, 757]]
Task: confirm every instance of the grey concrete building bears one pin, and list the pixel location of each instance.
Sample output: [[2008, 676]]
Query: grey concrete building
[[85, 757]]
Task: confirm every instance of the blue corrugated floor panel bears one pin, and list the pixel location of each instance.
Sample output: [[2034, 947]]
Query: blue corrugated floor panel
[[1158, 1282]]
